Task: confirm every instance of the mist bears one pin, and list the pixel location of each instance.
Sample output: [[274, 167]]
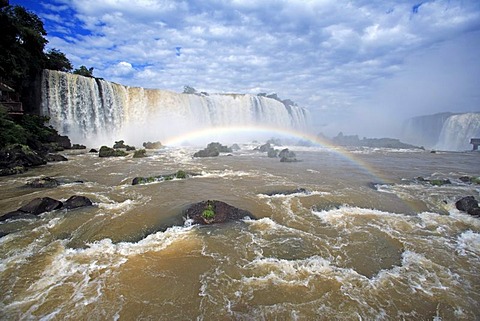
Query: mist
[[442, 78]]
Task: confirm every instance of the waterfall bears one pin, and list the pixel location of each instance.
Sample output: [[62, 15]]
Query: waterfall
[[458, 130], [94, 111], [445, 131]]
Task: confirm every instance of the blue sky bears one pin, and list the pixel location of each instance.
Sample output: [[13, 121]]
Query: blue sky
[[358, 66]]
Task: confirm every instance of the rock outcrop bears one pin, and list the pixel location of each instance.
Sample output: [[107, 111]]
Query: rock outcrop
[[469, 205], [214, 212]]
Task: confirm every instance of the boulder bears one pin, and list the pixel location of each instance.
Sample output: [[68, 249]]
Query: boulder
[[165, 177], [12, 171], [44, 182], [154, 145], [78, 146], [212, 212], [272, 153], [264, 148], [286, 153], [76, 201], [140, 153], [235, 147], [469, 205], [119, 144], [213, 150], [93, 150], [20, 155], [41, 205], [62, 141], [110, 152]]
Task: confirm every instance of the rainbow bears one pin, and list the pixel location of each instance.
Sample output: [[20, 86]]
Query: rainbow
[[219, 134]]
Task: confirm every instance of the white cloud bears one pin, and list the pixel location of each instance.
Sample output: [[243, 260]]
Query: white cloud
[[330, 56]]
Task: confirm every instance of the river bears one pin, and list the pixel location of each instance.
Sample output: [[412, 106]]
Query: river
[[364, 241]]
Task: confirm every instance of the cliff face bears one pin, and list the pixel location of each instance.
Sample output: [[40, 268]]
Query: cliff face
[[93, 110], [445, 131]]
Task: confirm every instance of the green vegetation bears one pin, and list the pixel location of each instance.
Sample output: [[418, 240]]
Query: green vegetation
[[181, 174], [110, 152], [208, 213], [26, 130], [22, 49], [140, 153]]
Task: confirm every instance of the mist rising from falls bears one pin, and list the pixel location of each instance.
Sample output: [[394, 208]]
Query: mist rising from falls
[[94, 111], [458, 130], [445, 131]]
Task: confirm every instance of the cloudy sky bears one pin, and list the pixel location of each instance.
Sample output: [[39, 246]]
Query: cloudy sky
[[359, 65]]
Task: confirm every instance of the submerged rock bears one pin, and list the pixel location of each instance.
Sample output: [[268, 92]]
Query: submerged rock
[[76, 201], [469, 205], [38, 206], [212, 212], [41, 205], [44, 182], [300, 190], [165, 177]]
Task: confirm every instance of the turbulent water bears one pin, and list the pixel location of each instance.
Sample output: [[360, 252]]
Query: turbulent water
[[95, 111], [444, 131], [366, 241]]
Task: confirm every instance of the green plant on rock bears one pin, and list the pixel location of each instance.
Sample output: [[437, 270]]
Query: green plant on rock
[[181, 174], [208, 213], [140, 153]]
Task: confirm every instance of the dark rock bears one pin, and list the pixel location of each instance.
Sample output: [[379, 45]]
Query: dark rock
[[235, 147], [44, 182], [469, 205], [62, 141], [439, 182], [286, 153], [41, 205], [129, 148], [465, 179], [76, 201], [213, 150], [110, 152], [16, 215], [20, 155], [93, 150], [56, 158], [470, 180], [288, 160], [272, 153], [160, 178], [12, 171], [154, 145], [78, 146], [264, 148], [211, 212], [300, 190], [119, 144]]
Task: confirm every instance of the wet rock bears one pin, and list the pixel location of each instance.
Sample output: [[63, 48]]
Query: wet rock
[[76, 201], [56, 158], [93, 150], [287, 156], [20, 155], [110, 152], [469, 205], [154, 145], [272, 153], [470, 180], [119, 144], [213, 212], [213, 150], [264, 148], [78, 146], [439, 182], [44, 182], [62, 141], [288, 160], [41, 205], [12, 171], [140, 153], [165, 177], [289, 192], [235, 147]]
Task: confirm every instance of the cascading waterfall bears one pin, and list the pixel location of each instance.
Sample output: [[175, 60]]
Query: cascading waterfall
[[94, 111], [458, 130]]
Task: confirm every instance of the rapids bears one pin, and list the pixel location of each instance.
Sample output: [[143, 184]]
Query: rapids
[[364, 241]]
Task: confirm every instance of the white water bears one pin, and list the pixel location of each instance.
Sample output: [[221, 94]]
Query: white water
[[445, 131], [95, 111], [458, 130]]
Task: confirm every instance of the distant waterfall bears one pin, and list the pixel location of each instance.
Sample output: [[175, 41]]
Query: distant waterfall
[[445, 131], [94, 111], [458, 130]]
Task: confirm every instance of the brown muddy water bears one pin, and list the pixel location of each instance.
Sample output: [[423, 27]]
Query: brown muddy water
[[365, 242]]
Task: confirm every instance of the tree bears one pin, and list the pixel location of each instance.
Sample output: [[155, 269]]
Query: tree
[[84, 71], [21, 45], [56, 60]]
